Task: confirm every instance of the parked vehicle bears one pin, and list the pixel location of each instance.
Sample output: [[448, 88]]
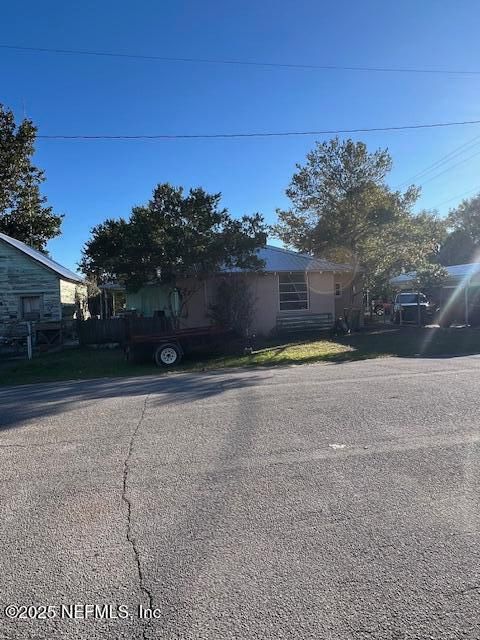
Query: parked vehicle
[[407, 306]]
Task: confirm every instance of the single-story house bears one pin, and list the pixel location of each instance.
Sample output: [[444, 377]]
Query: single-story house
[[293, 290], [34, 287], [459, 295]]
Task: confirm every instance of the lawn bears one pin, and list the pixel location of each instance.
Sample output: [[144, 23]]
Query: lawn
[[404, 342]]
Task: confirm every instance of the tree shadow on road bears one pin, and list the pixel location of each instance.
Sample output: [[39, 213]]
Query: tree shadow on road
[[26, 403]]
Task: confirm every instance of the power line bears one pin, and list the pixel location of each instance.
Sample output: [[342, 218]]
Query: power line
[[442, 160], [277, 65], [437, 175], [268, 134], [458, 195]]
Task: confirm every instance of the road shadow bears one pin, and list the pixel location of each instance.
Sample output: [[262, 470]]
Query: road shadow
[[411, 342], [27, 402]]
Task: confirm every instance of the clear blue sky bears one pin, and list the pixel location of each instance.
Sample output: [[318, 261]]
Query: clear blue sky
[[89, 181]]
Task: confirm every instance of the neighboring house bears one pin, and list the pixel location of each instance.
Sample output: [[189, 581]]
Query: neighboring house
[[34, 287], [458, 297], [292, 289]]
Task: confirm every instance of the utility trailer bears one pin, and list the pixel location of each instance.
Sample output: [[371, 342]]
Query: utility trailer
[[167, 347]]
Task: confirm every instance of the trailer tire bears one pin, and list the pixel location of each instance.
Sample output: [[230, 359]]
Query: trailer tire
[[167, 355]]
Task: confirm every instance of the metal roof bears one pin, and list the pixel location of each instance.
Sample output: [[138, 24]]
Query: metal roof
[[456, 273], [63, 272], [278, 259]]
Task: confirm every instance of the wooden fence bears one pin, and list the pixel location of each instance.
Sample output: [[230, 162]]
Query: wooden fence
[[93, 331]]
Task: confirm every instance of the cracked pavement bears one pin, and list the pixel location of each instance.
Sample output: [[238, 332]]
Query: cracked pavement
[[333, 502]]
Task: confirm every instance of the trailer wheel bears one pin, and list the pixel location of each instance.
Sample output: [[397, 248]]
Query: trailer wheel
[[167, 355]]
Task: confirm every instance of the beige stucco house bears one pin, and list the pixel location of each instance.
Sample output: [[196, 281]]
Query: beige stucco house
[[293, 290], [35, 288]]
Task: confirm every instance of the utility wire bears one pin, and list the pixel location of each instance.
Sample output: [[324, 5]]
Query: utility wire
[[458, 195], [458, 151], [441, 173], [268, 134], [276, 65]]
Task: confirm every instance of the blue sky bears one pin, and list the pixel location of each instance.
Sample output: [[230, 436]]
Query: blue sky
[[89, 181]]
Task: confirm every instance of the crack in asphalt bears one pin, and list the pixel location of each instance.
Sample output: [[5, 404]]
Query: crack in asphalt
[[131, 539]]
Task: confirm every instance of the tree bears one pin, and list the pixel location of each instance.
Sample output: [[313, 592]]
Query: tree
[[173, 236], [408, 244], [429, 277], [24, 214], [234, 304], [458, 248], [463, 243], [343, 209], [466, 217]]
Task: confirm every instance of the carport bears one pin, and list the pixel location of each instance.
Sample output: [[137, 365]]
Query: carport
[[459, 296]]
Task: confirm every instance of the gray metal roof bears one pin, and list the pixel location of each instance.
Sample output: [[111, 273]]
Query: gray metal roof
[[63, 272], [278, 259], [456, 273]]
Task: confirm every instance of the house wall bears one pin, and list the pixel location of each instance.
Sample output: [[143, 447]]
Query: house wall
[[73, 299], [266, 295], [265, 291], [149, 299], [351, 293], [320, 287], [345, 299], [153, 298], [23, 276], [198, 296], [267, 307]]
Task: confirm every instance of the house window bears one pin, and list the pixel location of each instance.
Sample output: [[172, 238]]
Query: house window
[[30, 307], [293, 291], [338, 289]]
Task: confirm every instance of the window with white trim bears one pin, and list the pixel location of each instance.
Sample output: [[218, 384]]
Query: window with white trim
[[293, 291], [338, 289]]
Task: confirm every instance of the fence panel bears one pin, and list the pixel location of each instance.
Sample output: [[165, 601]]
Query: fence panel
[[148, 326], [93, 331]]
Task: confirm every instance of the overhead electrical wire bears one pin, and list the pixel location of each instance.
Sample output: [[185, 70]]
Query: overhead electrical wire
[[259, 134], [458, 151], [247, 63], [458, 195], [453, 166]]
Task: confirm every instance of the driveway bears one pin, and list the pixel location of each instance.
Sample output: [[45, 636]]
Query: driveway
[[324, 502]]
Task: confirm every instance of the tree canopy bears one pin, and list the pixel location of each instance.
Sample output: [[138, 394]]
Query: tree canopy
[[463, 242], [429, 277], [342, 208], [175, 235], [24, 214]]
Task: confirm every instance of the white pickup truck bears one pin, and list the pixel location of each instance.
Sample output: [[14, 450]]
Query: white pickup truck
[[407, 306]]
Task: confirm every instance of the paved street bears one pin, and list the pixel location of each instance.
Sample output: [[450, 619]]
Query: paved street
[[324, 502]]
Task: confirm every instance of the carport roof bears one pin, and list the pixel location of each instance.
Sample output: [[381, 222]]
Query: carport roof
[[456, 273]]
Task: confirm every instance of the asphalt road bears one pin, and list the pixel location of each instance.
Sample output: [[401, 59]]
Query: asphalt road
[[324, 501]]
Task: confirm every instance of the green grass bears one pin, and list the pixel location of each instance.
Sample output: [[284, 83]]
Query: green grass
[[404, 342]]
